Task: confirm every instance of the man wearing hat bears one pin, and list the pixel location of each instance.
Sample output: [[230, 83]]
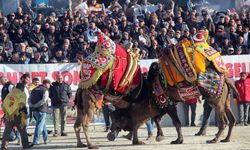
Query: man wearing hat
[[39, 105], [36, 38], [208, 23]]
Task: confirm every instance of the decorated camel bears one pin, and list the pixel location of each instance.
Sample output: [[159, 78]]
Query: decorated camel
[[113, 74], [193, 68]]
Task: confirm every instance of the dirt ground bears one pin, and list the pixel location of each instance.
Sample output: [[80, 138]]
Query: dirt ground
[[240, 140]]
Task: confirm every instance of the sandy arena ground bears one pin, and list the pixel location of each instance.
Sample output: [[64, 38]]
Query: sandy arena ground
[[240, 140]]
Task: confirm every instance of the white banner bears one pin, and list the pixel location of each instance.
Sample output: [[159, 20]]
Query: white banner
[[235, 64]]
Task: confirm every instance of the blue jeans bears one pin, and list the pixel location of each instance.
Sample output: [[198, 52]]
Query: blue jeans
[[40, 127], [150, 126], [193, 113], [107, 109]]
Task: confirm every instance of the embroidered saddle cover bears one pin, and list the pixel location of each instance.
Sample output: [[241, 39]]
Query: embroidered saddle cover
[[212, 82], [111, 67], [189, 59]]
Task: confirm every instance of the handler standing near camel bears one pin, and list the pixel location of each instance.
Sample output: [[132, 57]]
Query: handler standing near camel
[[60, 93], [243, 86]]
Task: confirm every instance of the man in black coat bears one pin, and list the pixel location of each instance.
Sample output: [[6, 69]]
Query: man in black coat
[[60, 93]]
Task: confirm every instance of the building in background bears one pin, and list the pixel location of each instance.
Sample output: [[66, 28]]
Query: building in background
[[8, 6]]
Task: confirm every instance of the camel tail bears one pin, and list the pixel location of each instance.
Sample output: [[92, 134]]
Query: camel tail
[[232, 86]]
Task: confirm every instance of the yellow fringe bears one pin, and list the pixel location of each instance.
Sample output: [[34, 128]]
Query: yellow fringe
[[95, 77]]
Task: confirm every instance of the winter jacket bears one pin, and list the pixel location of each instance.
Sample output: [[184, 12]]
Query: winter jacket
[[6, 89], [59, 94], [39, 99], [243, 86]]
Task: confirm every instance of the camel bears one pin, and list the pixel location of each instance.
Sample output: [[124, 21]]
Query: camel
[[194, 63], [131, 118], [99, 76], [221, 106], [128, 118]]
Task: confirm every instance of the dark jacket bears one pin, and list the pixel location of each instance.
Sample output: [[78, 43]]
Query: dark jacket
[[39, 99], [5, 90], [60, 94]]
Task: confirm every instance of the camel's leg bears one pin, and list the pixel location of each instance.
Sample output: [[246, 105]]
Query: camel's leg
[[222, 122], [231, 119], [77, 128], [160, 135], [135, 136], [172, 111], [86, 121], [220, 106]]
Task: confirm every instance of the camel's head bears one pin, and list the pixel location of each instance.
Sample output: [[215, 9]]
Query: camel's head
[[153, 71], [104, 44]]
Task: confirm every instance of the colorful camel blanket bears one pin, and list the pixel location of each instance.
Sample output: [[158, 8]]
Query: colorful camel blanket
[[189, 59], [212, 82], [110, 67]]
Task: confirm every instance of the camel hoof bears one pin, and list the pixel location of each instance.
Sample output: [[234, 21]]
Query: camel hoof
[[159, 138], [112, 136], [178, 141], [225, 140], [92, 147], [138, 143], [81, 145], [212, 141]]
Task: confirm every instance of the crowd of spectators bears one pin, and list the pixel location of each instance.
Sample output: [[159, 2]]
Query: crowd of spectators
[[26, 38]]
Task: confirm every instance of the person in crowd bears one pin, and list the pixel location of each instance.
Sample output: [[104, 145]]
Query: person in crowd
[[15, 59], [65, 33], [220, 35], [214, 45], [18, 119], [207, 23], [39, 105], [86, 21], [115, 34], [226, 46], [153, 50], [7, 87], [3, 55], [59, 93], [107, 108], [162, 38], [242, 86], [240, 48], [37, 58], [46, 53], [19, 37], [36, 38], [233, 36], [34, 83], [246, 36], [50, 37], [192, 103], [7, 44], [181, 25]]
